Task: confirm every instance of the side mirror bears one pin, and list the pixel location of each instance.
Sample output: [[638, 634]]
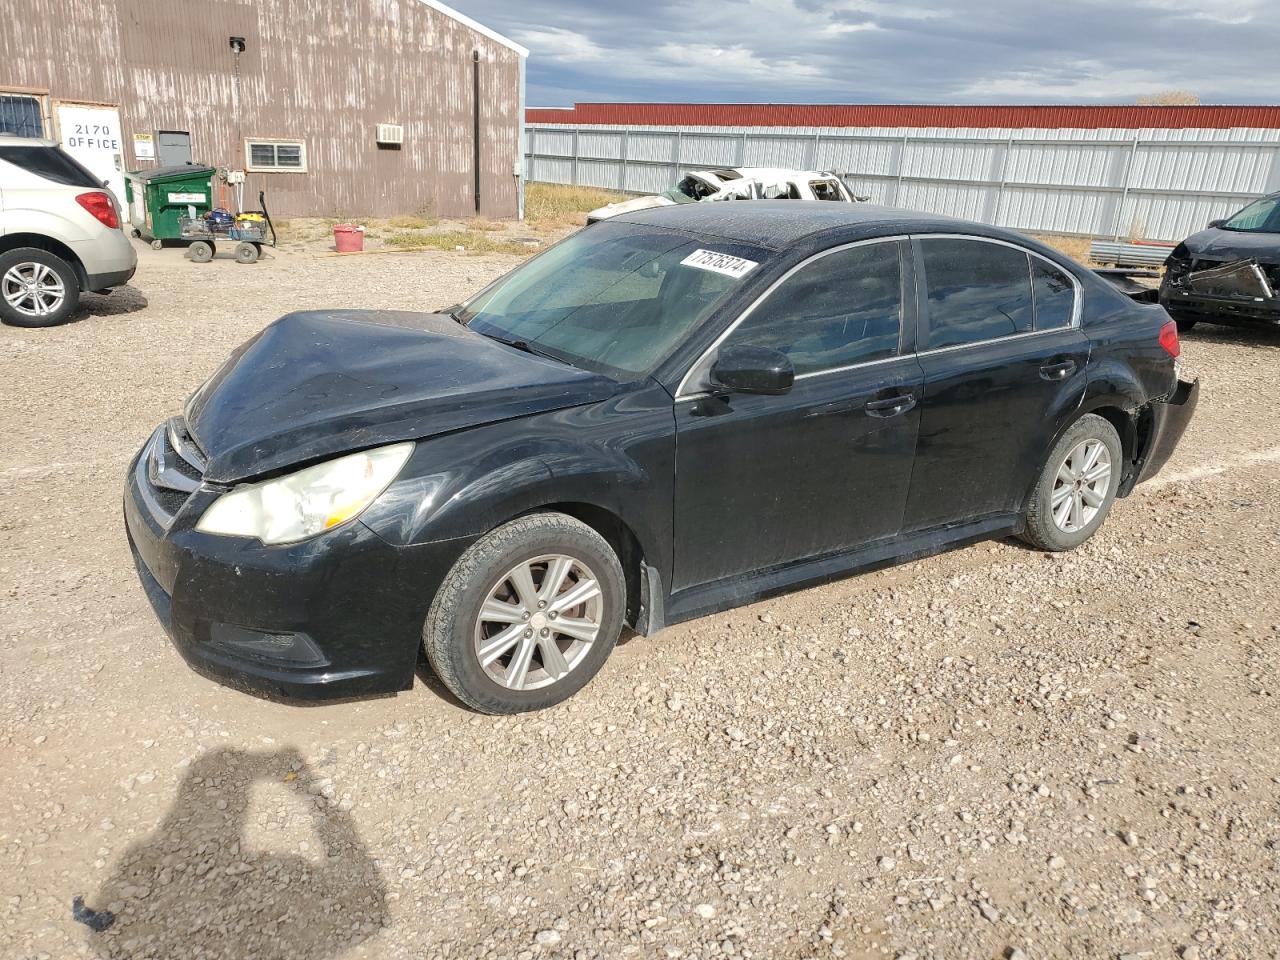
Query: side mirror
[[746, 369], [1216, 223]]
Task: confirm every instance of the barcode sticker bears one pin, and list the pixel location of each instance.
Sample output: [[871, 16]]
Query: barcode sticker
[[735, 267]]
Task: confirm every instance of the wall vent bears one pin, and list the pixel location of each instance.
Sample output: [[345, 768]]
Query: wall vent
[[392, 133]]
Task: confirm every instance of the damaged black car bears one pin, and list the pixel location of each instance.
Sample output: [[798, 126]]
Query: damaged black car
[[670, 413], [1229, 273]]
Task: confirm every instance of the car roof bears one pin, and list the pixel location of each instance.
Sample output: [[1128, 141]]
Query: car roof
[[780, 223], [13, 140]]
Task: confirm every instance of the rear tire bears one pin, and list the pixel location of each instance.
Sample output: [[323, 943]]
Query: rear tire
[[246, 252], [520, 670], [37, 288], [201, 251], [1076, 487]]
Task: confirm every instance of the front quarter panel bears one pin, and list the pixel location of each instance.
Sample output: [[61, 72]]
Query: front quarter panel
[[615, 455]]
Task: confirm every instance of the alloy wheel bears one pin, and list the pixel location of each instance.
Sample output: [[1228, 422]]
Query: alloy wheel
[[1081, 486], [33, 289], [538, 622]]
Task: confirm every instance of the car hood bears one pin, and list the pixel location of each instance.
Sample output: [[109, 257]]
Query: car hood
[[321, 383], [628, 206], [1215, 244]]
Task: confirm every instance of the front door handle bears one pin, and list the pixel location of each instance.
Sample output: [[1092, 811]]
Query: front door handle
[[1058, 371], [890, 406]]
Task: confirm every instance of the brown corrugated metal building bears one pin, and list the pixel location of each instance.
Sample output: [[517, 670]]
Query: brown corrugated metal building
[[296, 93]]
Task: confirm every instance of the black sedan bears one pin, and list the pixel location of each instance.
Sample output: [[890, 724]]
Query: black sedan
[[671, 413], [1228, 273]]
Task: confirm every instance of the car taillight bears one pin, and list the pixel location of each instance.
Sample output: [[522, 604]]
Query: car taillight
[[1169, 339], [100, 205]]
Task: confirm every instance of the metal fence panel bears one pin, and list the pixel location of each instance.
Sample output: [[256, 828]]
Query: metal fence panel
[[603, 146], [1157, 184]]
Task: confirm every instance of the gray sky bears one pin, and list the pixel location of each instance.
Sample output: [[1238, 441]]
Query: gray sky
[[940, 51]]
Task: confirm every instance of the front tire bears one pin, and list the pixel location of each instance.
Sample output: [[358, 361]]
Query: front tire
[[527, 616], [1076, 487], [37, 288]]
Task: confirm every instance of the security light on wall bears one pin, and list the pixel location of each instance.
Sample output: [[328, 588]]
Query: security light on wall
[[237, 44]]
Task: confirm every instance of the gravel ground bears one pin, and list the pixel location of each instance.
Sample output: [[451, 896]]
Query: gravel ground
[[990, 753]]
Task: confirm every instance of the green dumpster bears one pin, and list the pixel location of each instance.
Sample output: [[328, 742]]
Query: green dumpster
[[158, 198]]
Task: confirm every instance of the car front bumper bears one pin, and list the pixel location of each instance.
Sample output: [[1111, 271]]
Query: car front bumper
[[1225, 310], [339, 615]]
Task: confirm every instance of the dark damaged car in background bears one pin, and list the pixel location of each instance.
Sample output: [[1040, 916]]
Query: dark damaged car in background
[[1229, 273], [671, 413]]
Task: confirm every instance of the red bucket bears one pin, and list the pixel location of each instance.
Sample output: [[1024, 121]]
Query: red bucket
[[348, 238]]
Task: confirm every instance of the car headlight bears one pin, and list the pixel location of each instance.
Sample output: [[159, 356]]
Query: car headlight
[[308, 502]]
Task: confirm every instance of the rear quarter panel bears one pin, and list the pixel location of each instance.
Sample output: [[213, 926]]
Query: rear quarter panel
[[1127, 366]]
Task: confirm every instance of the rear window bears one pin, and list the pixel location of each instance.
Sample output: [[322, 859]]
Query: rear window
[[1055, 296], [50, 163]]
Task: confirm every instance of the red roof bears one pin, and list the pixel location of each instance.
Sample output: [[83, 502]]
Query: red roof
[[904, 115]]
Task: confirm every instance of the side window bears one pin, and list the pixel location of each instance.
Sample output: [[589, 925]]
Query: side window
[[1055, 295], [841, 309], [977, 291]]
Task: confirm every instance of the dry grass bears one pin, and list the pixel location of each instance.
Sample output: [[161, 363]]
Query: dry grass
[[553, 205], [471, 241], [304, 229], [413, 222], [481, 224], [1075, 247]]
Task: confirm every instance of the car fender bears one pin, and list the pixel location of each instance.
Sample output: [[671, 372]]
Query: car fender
[[475, 494]]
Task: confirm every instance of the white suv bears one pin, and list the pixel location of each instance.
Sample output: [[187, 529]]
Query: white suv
[[59, 234]]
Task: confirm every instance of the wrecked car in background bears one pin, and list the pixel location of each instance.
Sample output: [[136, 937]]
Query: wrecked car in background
[[1229, 273], [738, 183]]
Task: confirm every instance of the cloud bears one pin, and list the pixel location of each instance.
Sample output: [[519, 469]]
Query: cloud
[[1103, 51]]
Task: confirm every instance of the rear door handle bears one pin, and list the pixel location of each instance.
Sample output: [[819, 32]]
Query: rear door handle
[[1058, 371], [890, 406]]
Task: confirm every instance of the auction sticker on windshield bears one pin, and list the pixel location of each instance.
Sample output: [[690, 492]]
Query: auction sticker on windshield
[[735, 267]]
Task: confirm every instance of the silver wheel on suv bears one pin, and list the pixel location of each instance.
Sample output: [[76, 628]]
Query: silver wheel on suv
[[37, 288], [33, 289]]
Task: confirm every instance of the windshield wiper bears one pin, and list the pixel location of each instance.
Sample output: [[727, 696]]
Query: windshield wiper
[[524, 347], [452, 313]]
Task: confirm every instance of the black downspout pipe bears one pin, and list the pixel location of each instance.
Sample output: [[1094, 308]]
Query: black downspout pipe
[[475, 123]]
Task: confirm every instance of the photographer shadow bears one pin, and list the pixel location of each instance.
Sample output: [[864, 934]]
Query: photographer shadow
[[195, 888]]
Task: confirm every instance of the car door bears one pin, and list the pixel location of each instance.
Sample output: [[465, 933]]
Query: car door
[[762, 480], [1004, 364]]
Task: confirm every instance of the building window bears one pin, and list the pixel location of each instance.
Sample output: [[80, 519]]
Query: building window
[[276, 156], [21, 114]]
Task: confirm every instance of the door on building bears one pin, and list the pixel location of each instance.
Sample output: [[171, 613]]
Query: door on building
[[173, 148], [91, 134]]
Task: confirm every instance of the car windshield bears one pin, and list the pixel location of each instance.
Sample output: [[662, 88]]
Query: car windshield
[[615, 298], [1261, 216]]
